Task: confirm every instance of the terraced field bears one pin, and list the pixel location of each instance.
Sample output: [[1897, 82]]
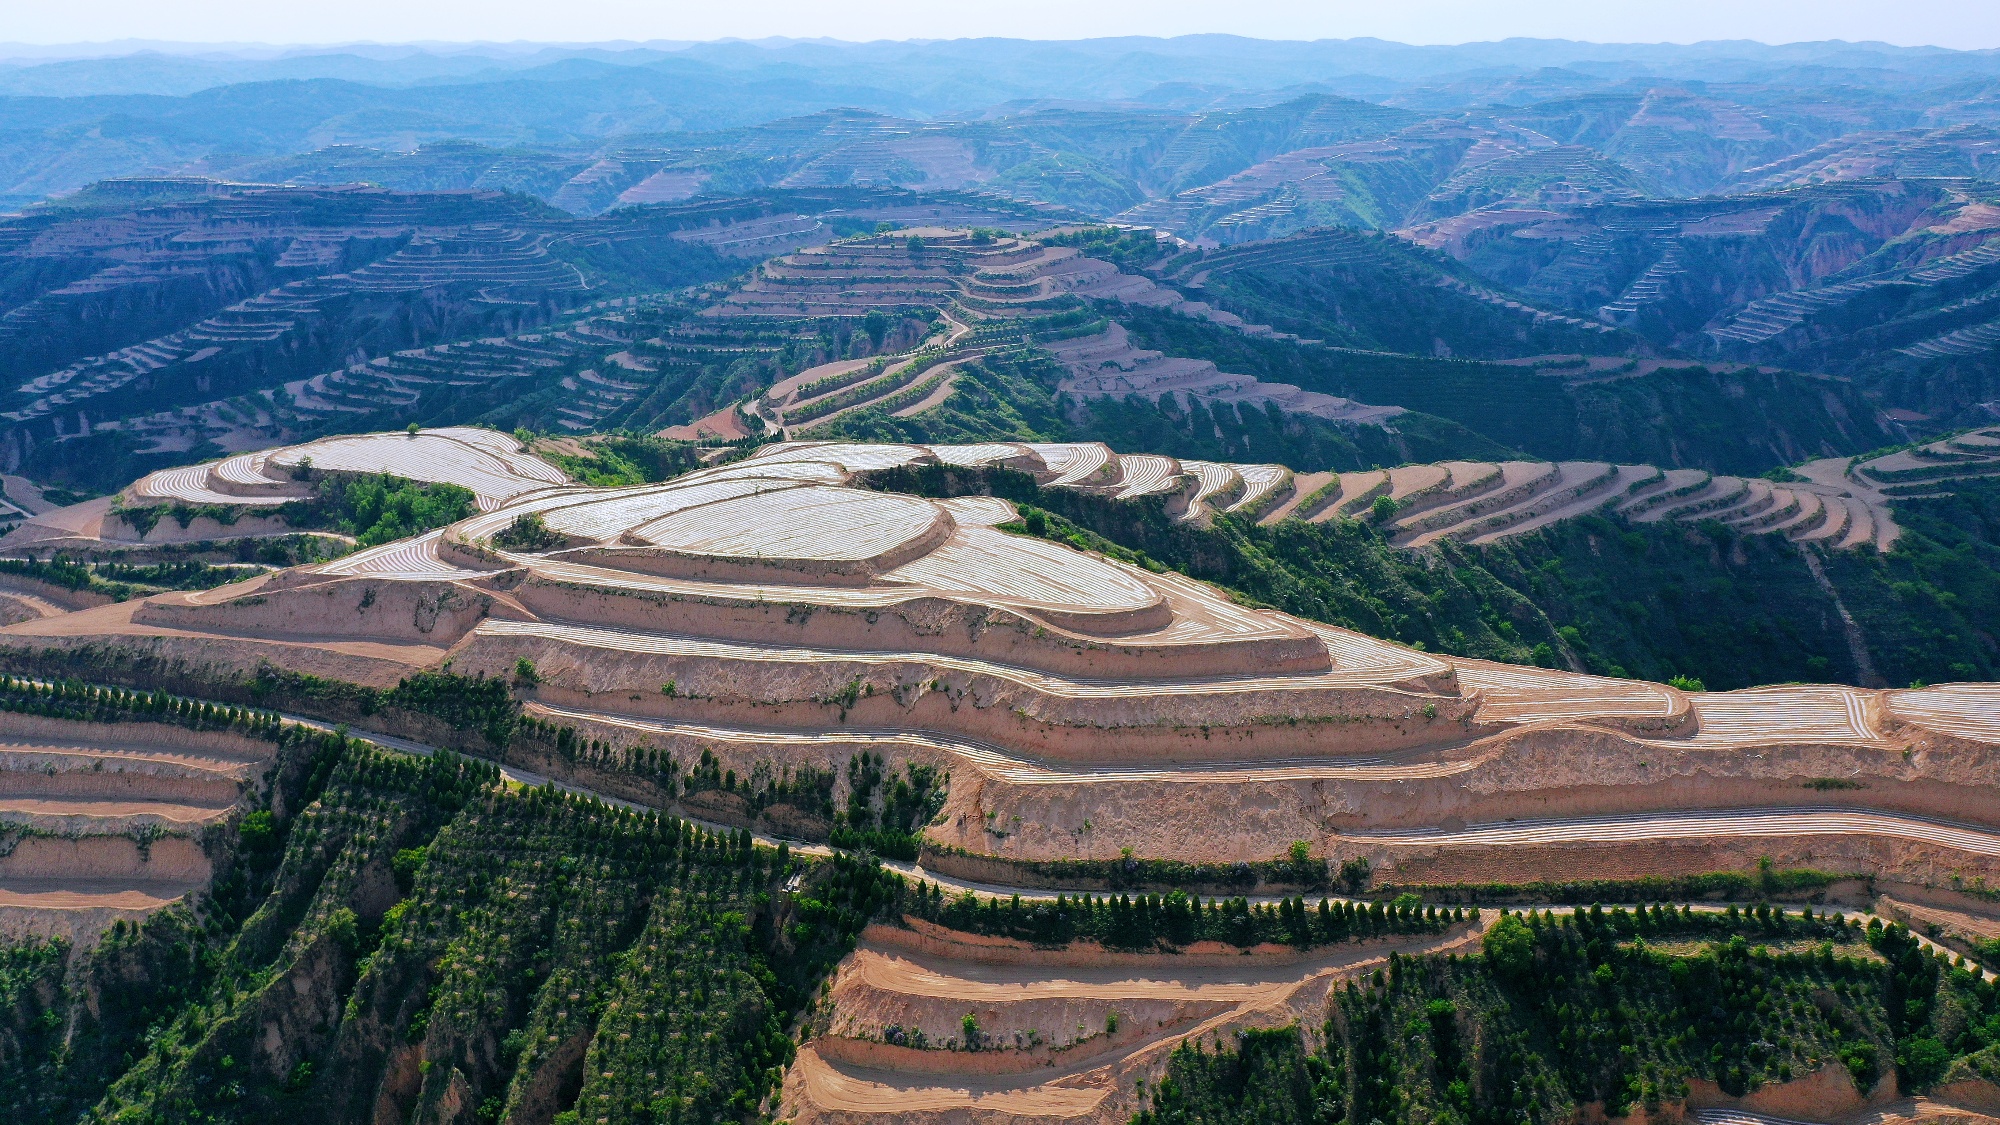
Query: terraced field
[[893, 1045], [762, 626], [1107, 365], [444, 245], [491, 465], [983, 289], [104, 822], [1832, 502], [774, 616]]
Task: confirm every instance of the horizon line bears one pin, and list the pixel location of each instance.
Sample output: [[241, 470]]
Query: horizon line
[[137, 45]]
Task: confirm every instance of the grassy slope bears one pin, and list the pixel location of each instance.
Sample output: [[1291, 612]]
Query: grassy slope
[[1929, 607]]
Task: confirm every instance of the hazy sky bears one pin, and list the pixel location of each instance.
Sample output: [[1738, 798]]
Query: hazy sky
[[1950, 23]]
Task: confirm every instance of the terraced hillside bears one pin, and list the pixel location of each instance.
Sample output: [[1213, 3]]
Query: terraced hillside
[[843, 637], [1556, 563], [993, 296], [880, 327], [110, 802], [124, 316], [1062, 297], [1956, 151], [251, 495], [1894, 290], [772, 643], [1048, 682], [355, 245], [1048, 1039], [1587, 258], [1838, 502], [153, 318]]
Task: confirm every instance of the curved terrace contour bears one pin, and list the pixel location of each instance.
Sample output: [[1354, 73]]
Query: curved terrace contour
[[778, 613]]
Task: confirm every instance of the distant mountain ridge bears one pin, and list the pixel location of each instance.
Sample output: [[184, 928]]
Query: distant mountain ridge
[[207, 108]]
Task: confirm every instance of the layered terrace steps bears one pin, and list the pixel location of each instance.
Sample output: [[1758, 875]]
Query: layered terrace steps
[[909, 270], [78, 784], [1976, 340], [1485, 502], [80, 909], [830, 747], [1772, 316], [72, 813], [1475, 502], [992, 283], [27, 898], [1059, 1043], [1107, 364], [718, 658], [494, 260], [907, 385], [113, 816], [1972, 455], [491, 465], [1086, 466], [1516, 503], [1705, 824], [779, 613]]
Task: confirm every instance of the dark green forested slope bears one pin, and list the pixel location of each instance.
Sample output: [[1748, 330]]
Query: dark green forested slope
[[1930, 607], [403, 938], [1362, 290], [1620, 1009], [397, 935], [1596, 594], [1744, 422], [1353, 289], [1015, 396]]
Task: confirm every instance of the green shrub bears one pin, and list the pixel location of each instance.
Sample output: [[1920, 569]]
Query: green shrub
[[376, 509], [1509, 946], [528, 532]]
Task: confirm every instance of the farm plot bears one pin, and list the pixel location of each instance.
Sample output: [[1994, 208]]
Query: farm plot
[[982, 564], [410, 559], [465, 457], [1528, 695], [192, 486], [605, 517], [1780, 715], [1045, 683], [809, 522], [1056, 1043], [853, 457], [1966, 710], [834, 745]]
